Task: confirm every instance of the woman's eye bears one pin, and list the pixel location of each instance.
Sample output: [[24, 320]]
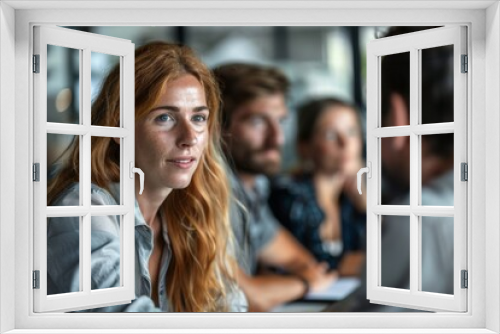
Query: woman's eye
[[200, 118], [164, 118]]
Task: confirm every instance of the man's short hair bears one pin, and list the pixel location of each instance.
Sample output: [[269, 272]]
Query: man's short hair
[[240, 83]]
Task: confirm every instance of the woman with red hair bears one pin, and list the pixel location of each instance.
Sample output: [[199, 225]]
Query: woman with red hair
[[182, 232]]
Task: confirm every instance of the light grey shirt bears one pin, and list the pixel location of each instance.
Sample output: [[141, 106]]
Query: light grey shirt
[[254, 225], [437, 250], [437, 242], [63, 255]]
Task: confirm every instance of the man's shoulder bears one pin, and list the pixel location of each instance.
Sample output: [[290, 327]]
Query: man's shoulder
[[262, 185], [440, 191], [239, 190]]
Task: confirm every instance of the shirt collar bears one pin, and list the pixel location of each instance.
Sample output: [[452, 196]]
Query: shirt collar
[[139, 218]]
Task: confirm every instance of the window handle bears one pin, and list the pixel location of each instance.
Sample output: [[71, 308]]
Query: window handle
[[367, 170], [138, 171]]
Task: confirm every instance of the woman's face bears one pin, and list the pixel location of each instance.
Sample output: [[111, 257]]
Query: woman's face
[[172, 136], [336, 143]]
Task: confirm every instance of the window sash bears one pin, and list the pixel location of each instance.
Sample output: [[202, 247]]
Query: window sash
[[413, 298], [86, 43]]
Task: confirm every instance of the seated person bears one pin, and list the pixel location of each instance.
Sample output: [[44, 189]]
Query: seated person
[[319, 204], [253, 110], [437, 172], [182, 230]]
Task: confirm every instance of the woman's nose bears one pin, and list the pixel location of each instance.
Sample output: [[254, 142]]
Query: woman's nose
[[187, 136]]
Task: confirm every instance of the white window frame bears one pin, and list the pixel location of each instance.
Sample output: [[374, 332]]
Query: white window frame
[[483, 21], [413, 44], [85, 43]]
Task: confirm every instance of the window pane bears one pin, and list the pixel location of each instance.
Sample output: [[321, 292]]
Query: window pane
[[437, 84], [395, 79], [437, 170], [105, 247], [437, 254], [63, 85], [395, 234], [105, 149], [395, 169], [102, 64], [62, 158], [63, 255]]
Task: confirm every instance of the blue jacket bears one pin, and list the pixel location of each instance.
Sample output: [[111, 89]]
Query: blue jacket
[[293, 202]]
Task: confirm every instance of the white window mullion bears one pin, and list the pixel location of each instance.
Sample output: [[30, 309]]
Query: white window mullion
[[419, 251], [422, 129], [417, 120], [66, 211], [392, 210], [392, 131], [406, 210], [98, 210], [76, 129], [127, 119], [434, 211], [414, 169], [124, 166], [86, 110], [85, 256], [419, 129], [85, 236], [373, 121], [378, 258], [67, 129], [81, 130], [433, 129]]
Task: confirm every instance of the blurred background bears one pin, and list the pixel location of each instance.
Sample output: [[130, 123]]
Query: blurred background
[[319, 61]]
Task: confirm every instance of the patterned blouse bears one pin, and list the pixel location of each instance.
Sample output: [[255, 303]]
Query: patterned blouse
[[293, 202]]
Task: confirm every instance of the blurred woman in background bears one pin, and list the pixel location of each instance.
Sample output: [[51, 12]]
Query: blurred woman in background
[[182, 231], [319, 203]]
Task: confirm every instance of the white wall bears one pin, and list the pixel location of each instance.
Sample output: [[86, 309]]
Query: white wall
[[492, 152], [22, 221], [7, 161]]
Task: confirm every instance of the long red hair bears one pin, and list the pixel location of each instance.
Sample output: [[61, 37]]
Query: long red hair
[[201, 272]]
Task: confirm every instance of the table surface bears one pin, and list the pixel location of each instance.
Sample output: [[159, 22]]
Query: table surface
[[320, 301]]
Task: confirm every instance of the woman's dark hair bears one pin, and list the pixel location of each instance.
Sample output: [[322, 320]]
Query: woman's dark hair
[[436, 87], [309, 113]]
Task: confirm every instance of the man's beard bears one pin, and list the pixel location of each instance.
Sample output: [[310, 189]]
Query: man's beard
[[245, 162]]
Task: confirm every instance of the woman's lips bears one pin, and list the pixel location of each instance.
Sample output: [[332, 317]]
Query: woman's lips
[[182, 162]]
